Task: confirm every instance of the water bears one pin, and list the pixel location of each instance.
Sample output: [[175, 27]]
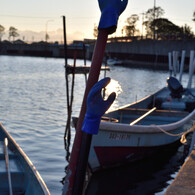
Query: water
[[33, 106], [149, 176]]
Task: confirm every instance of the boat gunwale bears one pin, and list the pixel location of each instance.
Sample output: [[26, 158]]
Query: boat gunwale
[[147, 129]]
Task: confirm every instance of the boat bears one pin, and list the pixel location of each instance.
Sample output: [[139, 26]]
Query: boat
[[139, 129], [114, 61], [17, 173]]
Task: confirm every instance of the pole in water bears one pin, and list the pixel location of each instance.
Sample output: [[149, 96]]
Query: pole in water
[[191, 69], [66, 63], [65, 41], [174, 64], [182, 65], [67, 136], [170, 64]]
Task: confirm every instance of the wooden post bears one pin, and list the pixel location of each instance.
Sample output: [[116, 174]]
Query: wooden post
[[84, 58], [170, 64], [66, 63], [174, 64], [182, 65], [65, 42], [191, 68]]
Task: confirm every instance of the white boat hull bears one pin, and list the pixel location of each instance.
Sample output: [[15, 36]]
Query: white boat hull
[[118, 143]]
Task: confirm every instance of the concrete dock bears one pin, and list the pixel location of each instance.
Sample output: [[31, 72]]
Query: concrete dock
[[184, 183]]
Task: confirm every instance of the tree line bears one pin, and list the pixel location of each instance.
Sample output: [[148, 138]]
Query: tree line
[[155, 25], [12, 32]]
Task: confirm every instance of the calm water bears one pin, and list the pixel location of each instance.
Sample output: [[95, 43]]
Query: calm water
[[33, 108]]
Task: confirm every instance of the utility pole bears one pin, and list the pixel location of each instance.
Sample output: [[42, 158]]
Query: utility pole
[[154, 33], [46, 35]]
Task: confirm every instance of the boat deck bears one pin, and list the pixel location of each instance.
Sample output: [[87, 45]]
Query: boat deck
[[184, 183], [128, 115], [17, 174]]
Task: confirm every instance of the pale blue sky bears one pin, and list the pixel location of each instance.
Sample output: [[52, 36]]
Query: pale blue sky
[[82, 15]]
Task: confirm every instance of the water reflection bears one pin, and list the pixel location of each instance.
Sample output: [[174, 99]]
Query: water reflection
[[113, 86]]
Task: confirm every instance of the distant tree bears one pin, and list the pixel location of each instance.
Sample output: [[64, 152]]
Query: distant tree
[[95, 31], [187, 31], [193, 19], [2, 29], [130, 28], [164, 28], [46, 37], [154, 13], [13, 33], [151, 15]]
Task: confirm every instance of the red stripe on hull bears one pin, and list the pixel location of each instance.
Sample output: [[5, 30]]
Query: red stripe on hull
[[109, 156]]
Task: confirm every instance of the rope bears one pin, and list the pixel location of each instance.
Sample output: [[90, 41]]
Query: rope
[[183, 134]]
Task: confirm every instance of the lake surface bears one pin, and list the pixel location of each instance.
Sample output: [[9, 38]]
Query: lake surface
[[33, 110]]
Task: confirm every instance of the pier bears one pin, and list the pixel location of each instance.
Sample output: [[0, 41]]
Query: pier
[[145, 53], [184, 183]]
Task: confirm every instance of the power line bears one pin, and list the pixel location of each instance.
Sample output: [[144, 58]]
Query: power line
[[37, 17], [42, 17]]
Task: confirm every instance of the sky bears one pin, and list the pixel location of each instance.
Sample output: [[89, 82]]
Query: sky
[[33, 18]]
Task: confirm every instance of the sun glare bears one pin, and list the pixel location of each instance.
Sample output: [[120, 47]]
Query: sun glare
[[113, 86]]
